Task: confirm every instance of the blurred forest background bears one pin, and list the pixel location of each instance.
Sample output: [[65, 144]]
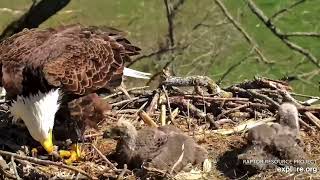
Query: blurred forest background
[[196, 37]]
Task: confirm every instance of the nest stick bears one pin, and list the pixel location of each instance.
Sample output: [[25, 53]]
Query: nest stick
[[125, 168], [313, 119], [174, 113], [153, 104], [163, 115], [45, 162], [14, 167], [232, 110], [104, 157], [129, 90], [168, 103], [147, 119]]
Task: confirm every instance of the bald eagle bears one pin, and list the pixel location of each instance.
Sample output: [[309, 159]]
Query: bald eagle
[[56, 73]]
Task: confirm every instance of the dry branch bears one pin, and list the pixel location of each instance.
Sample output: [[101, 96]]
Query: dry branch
[[277, 32], [315, 121], [154, 103], [104, 157], [37, 14], [158, 52], [232, 110], [281, 11], [45, 162], [129, 90], [215, 98], [147, 119], [204, 81], [297, 34], [237, 25], [186, 105], [229, 70]]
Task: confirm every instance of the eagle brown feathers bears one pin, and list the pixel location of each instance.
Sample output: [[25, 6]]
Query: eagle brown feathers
[[78, 60]]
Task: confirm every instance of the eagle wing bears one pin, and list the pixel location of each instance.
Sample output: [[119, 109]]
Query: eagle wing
[[78, 60]]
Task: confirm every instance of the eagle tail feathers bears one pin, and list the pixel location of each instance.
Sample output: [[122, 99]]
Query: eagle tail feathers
[[136, 74]]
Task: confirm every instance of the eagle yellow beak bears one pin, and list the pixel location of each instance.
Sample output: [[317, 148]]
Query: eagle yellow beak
[[47, 143]]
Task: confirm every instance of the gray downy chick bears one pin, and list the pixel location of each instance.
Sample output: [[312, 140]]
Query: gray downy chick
[[165, 148], [288, 148], [288, 117], [261, 135], [256, 157]]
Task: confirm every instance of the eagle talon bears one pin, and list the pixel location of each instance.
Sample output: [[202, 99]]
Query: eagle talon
[[64, 154], [72, 155], [34, 152]]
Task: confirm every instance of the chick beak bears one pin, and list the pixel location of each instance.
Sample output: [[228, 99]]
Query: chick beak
[[47, 143]]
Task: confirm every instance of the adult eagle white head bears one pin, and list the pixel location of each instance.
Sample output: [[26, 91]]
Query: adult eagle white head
[[55, 73]]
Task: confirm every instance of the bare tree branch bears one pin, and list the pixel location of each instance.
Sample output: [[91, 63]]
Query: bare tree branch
[[277, 32], [310, 34], [171, 11], [158, 52], [242, 31], [37, 14], [229, 70], [281, 11]]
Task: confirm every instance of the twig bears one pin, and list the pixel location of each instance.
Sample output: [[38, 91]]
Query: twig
[[237, 25], [232, 110], [153, 103], [204, 81], [281, 11], [257, 95], [184, 104], [125, 168], [171, 11], [127, 111], [234, 66], [223, 121], [308, 34], [4, 167], [255, 105], [125, 101], [141, 108], [129, 90], [174, 114], [147, 119], [263, 97], [158, 52], [163, 114], [88, 136], [37, 14], [14, 167], [45, 163], [277, 32], [168, 103], [155, 75], [176, 7], [124, 91], [244, 126], [104, 157], [215, 98], [170, 17], [313, 119]]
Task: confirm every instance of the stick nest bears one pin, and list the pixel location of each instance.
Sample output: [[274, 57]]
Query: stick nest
[[216, 117]]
